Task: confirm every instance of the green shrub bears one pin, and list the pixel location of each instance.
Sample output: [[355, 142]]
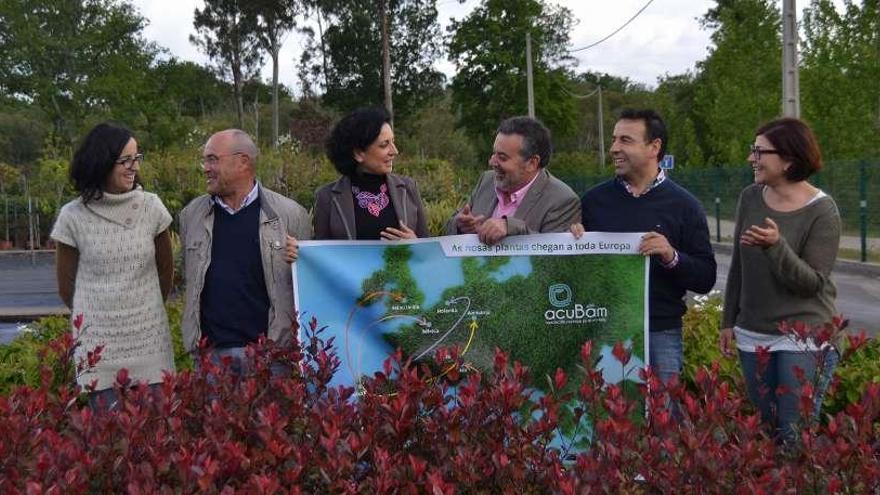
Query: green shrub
[[701, 348], [854, 374], [577, 163], [701, 342], [20, 360], [439, 213], [182, 358]]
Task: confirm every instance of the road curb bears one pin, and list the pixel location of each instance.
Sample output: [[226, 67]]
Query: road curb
[[867, 269]]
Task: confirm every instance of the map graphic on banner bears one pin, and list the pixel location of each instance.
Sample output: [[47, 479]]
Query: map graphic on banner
[[538, 297]]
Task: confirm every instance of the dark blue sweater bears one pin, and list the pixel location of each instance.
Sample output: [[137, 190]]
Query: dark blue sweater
[[670, 210], [235, 303]]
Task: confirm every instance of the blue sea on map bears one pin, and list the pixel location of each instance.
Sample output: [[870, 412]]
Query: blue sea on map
[[360, 341]]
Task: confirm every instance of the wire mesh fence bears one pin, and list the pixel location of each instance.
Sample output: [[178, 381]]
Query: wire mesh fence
[[854, 185]]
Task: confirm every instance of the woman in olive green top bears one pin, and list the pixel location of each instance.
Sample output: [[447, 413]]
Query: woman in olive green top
[[785, 243]]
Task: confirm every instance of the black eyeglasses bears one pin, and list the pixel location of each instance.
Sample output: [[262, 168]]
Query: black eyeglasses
[[757, 152], [129, 161]]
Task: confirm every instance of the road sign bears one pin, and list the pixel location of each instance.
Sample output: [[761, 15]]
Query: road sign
[[668, 162]]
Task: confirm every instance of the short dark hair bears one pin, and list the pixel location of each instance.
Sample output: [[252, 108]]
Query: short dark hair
[[655, 128], [795, 142], [355, 131], [536, 137], [95, 159]]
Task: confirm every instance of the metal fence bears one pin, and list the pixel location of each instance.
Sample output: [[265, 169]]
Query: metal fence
[[854, 185], [22, 224]]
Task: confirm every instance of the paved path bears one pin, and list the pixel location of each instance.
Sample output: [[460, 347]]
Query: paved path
[[847, 241], [858, 291], [27, 285]]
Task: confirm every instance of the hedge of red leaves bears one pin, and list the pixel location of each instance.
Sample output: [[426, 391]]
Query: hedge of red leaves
[[409, 433]]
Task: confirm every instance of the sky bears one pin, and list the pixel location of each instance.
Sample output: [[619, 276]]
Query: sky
[[666, 38]]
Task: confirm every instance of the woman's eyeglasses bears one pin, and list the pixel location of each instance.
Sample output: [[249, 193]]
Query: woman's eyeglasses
[[758, 152], [129, 161]]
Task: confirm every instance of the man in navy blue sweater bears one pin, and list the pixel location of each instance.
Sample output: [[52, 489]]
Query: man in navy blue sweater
[[239, 240], [641, 198]]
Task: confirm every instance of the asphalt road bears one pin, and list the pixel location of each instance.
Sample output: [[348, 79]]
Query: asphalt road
[[858, 295], [28, 287], [27, 290]]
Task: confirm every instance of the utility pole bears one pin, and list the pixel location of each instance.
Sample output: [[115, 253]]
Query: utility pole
[[386, 58], [601, 131], [791, 106], [529, 82]]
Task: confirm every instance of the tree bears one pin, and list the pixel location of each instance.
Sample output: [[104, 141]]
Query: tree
[[488, 50], [839, 77], [227, 34], [274, 19], [72, 59], [739, 85], [617, 93], [22, 132], [191, 89], [674, 99], [353, 42]]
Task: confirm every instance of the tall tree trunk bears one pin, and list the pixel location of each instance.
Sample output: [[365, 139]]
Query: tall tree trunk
[[238, 86], [323, 47], [386, 58]]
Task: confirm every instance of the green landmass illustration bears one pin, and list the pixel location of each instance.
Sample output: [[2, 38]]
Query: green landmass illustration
[[484, 313]]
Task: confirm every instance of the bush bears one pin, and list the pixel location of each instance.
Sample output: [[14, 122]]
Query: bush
[[22, 359], [853, 377], [701, 349], [700, 333], [409, 431]]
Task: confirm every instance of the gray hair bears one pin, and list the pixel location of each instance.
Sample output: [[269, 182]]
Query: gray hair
[[241, 142]]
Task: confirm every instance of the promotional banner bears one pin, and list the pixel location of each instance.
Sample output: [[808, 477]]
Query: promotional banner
[[537, 297]]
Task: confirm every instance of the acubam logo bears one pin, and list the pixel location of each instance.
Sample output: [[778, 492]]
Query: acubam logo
[[563, 312], [559, 295]]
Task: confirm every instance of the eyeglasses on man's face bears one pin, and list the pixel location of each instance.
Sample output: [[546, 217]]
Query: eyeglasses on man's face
[[211, 160], [757, 152], [129, 161]]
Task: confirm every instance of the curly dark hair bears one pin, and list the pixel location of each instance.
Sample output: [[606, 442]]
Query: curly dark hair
[[355, 131], [95, 159]]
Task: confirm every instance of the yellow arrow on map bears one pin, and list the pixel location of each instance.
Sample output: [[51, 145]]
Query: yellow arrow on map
[[473, 325]]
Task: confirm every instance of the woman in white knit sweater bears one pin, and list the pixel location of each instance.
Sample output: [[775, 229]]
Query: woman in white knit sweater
[[114, 265]]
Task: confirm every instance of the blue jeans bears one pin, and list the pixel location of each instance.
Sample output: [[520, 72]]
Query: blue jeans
[[665, 350], [107, 400], [780, 408], [240, 365], [666, 353]]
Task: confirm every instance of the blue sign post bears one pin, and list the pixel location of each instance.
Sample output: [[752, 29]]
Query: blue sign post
[[668, 162]]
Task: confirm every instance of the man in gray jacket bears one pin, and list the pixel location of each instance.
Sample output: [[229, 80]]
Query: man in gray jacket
[[238, 243], [518, 196]]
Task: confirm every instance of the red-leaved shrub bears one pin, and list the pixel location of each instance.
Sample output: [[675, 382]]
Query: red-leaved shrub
[[408, 431]]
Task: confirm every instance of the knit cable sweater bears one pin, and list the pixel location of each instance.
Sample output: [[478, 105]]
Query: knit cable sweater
[[117, 285]]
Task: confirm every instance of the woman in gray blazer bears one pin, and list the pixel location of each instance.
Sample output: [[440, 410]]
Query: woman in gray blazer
[[369, 201]]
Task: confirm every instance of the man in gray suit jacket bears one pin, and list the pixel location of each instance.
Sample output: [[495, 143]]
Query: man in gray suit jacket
[[518, 196]]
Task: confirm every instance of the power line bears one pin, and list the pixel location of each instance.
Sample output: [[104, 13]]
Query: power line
[[615, 31], [580, 97]]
